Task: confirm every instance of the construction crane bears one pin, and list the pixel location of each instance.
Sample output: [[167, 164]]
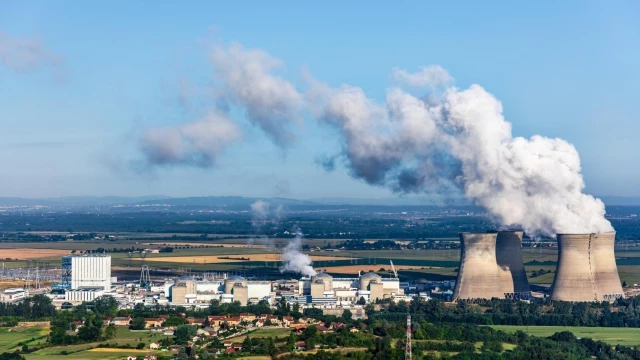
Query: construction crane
[[393, 268]]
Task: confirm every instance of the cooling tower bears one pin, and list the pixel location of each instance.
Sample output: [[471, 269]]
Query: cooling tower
[[586, 268], [479, 277], [509, 258], [603, 262]]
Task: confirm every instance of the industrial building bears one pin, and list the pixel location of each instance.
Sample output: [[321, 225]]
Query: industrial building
[[491, 266], [323, 289], [587, 268], [91, 271], [86, 277], [187, 290]]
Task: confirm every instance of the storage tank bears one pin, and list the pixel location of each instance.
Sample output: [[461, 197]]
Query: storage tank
[[509, 258], [478, 273]]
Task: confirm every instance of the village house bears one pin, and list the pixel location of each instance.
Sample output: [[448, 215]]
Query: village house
[[287, 320], [121, 321], [154, 346], [300, 346], [150, 323], [216, 321], [247, 317]]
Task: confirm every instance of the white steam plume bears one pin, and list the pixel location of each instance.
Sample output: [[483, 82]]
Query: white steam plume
[[458, 140], [246, 79], [196, 144], [294, 260]]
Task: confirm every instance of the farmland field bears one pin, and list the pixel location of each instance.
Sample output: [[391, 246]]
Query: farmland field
[[231, 258], [28, 254], [10, 337], [262, 333], [613, 336]]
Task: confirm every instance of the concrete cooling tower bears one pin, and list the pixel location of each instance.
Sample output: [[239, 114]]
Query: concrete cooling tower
[[509, 258], [491, 267], [586, 268], [478, 275]]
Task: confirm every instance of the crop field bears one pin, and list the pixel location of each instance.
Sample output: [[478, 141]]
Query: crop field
[[355, 269], [212, 259], [29, 254], [613, 336]]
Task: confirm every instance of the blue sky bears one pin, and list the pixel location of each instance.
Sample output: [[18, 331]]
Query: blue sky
[[566, 69]]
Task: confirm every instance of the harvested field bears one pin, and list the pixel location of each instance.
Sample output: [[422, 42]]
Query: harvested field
[[214, 259], [205, 244], [355, 269], [28, 254]]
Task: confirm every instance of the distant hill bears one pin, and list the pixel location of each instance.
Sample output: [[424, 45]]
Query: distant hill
[[241, 201]]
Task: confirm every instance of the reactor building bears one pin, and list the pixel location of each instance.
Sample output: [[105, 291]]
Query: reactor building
[[324, 289], [491, 266], [86, 277], [586, 268]]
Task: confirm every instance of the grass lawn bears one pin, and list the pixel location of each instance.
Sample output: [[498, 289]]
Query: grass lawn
[[9, 337], [613, 336], [263, 333]]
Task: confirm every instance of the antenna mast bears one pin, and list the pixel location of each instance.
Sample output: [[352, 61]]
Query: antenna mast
[[407, 352]]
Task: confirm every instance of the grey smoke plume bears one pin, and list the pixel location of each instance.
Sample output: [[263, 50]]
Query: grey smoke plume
[[197, 144], [294, 260], [458, 140], [246, 79], [22, 54]]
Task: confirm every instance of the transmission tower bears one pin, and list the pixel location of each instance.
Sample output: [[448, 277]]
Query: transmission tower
[[407, 352], [145, 278]]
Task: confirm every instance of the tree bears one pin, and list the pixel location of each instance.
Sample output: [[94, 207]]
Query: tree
[[138, 323], [89, 333], [140, 346], [185, 333], [361, 301], [347, 316], [105, 305], [110, 331], [492, 345], [624, 284]]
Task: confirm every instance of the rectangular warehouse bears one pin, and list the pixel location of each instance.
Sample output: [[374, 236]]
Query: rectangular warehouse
[[91, 271]]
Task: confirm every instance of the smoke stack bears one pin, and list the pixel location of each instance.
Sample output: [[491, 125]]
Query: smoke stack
[[479, 277], [509, 258], [586, 268]]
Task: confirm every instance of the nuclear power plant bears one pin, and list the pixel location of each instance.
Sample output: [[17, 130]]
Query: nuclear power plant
[[491, 267], [587, 268]]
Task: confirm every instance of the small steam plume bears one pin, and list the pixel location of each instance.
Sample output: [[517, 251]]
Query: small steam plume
[[294, 260]]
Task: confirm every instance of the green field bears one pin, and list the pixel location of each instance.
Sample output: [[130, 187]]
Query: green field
[[262, 333], [613, 336], [11, 337], [123, 337]]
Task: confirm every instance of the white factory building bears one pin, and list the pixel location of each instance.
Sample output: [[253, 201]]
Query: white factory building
[[90, 277]]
